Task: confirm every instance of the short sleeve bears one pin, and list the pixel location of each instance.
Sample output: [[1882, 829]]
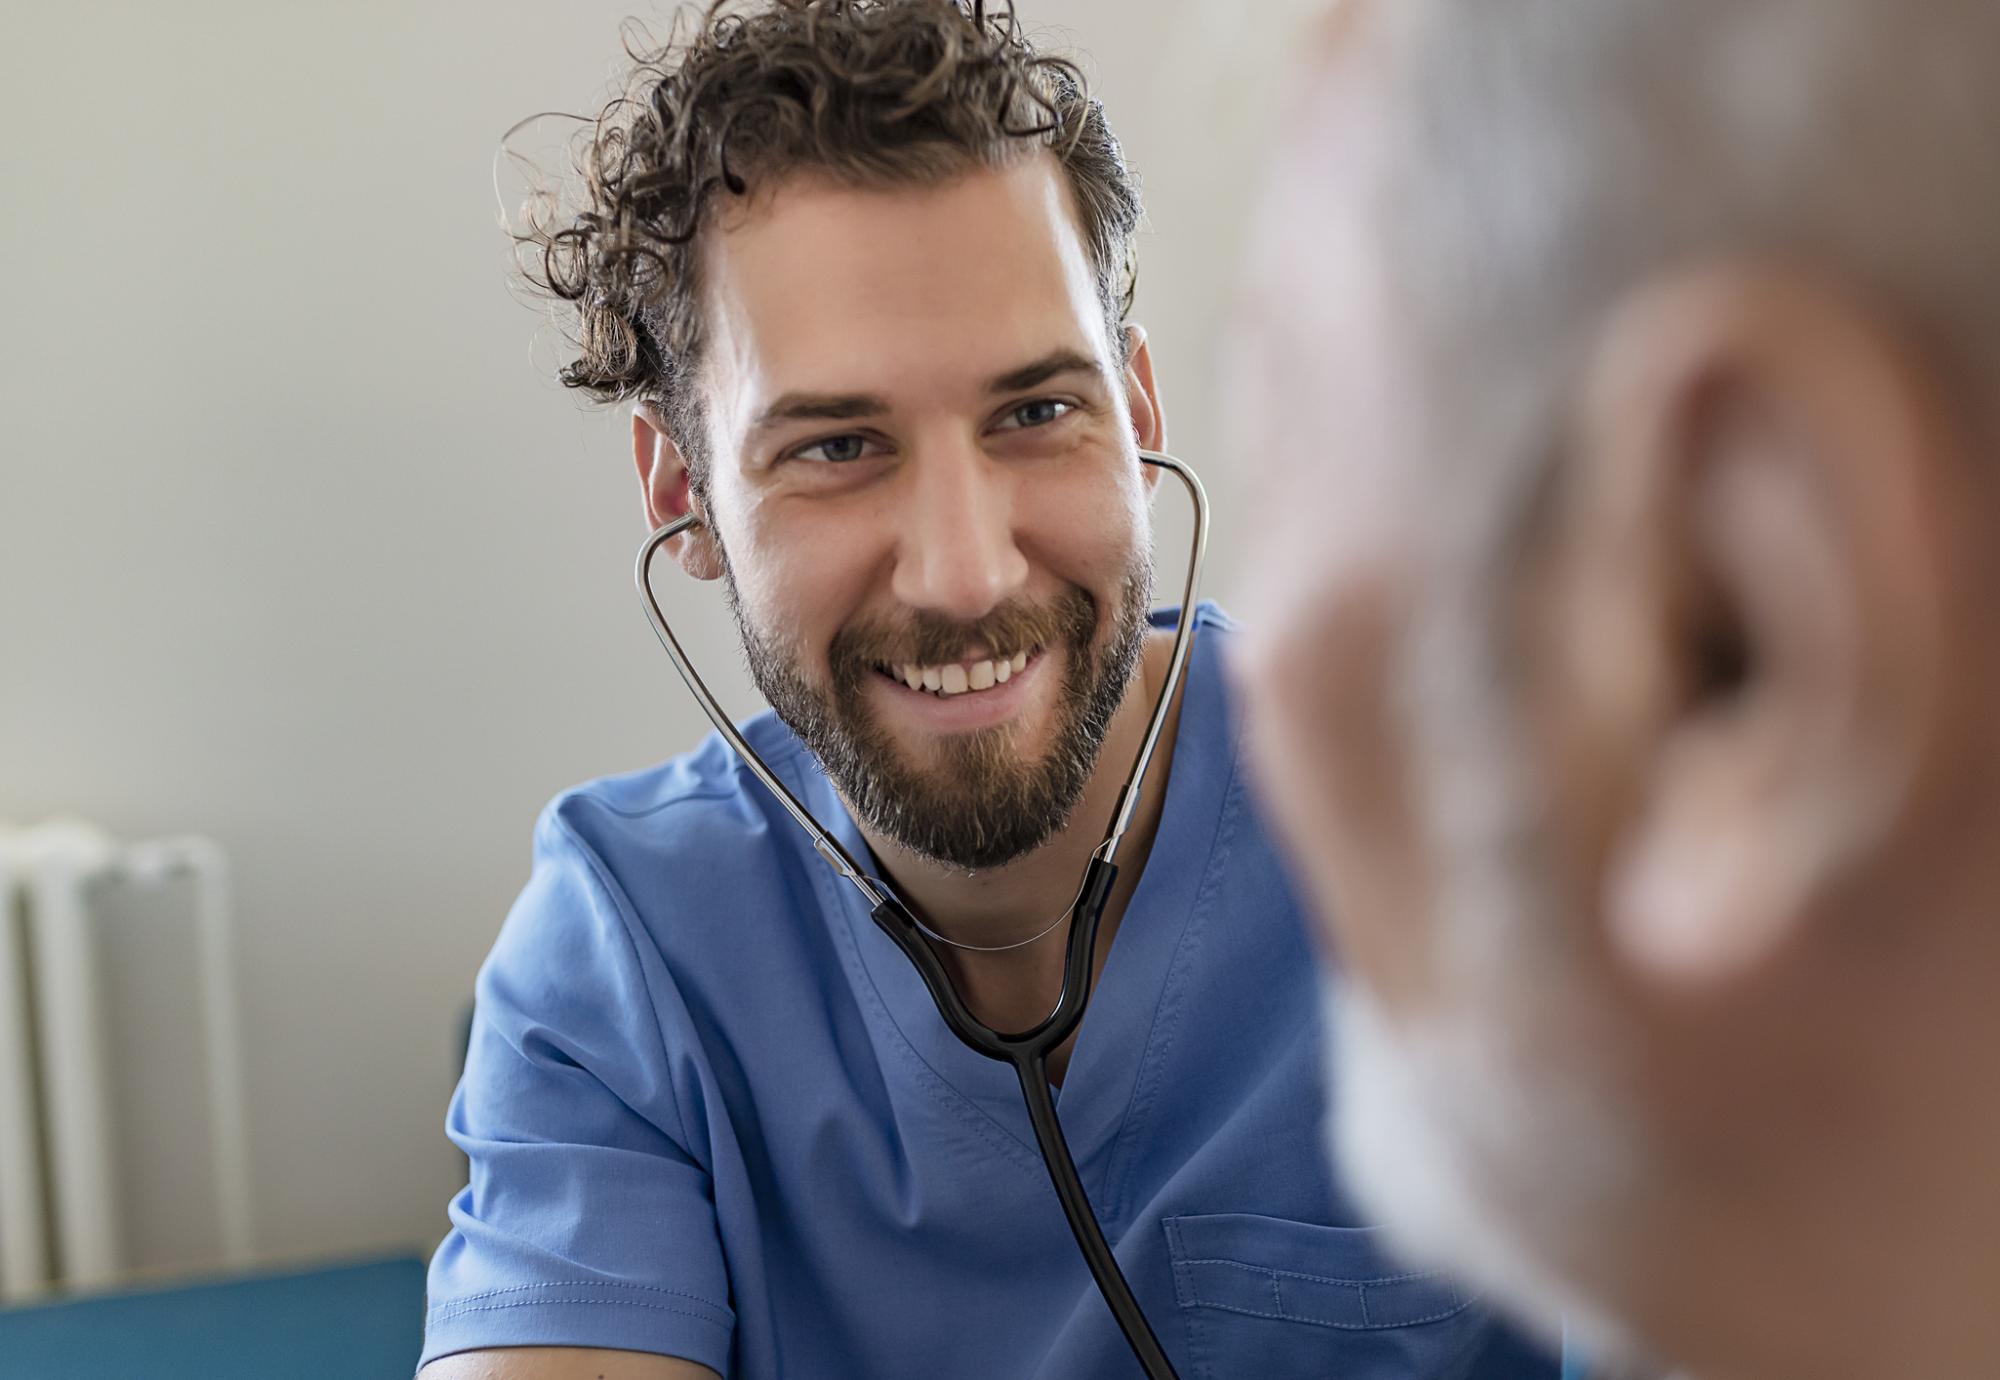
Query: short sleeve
[[585, 1222]]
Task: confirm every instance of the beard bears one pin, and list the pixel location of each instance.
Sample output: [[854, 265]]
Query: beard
[[1414, 1119], [981, 801], [1486, 1130]]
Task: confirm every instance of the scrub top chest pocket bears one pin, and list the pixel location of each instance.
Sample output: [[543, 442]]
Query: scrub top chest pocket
[[1262, 1298]]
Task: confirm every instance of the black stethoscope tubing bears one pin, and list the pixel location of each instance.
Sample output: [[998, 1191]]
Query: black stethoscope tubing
[[1026, 1052]]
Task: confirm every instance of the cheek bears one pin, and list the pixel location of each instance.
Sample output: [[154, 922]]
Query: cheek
[[1334, 528], [1329, 747], [799, 581], [1086, 523]]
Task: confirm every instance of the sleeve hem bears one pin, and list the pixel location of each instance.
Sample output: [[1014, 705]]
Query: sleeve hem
[[663, 1324]]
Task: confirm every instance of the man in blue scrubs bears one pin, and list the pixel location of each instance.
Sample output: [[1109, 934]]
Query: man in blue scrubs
[[863, 269]]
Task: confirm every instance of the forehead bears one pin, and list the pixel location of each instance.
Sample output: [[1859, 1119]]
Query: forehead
[[1317, 280], [829, 287], [1320, 368], [1323, 189]]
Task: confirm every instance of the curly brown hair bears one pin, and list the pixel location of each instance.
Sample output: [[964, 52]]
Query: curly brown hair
[[869, 92]]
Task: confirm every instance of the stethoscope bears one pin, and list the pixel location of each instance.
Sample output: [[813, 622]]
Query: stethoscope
[[1027, 1051]]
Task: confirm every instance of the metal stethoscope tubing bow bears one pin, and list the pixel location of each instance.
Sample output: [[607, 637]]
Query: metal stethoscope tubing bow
[[1027, 1052]]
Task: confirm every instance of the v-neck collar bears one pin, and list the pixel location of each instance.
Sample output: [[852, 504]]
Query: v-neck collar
[[1130, 998]]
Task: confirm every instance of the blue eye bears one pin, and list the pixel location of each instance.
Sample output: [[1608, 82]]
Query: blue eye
[[835, 449], [1040, 412]]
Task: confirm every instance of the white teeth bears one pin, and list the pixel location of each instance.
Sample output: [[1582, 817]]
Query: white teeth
[[961, 678]]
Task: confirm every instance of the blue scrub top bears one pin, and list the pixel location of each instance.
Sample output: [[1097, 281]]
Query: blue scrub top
[[712, 1112]]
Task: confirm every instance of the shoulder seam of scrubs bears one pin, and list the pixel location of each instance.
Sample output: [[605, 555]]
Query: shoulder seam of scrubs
[[628, 918], [1168, 1010], [600, 803]]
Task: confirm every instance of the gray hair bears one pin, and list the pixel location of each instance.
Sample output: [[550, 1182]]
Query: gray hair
[[1552, 153]]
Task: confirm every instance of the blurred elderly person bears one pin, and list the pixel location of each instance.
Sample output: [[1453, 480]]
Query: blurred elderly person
[[1622, 374]]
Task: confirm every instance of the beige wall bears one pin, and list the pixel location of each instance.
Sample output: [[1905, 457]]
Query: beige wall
[[301, 548]]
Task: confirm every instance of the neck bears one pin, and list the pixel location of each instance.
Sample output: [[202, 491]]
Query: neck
[[1014, 989], [1863, 1240]]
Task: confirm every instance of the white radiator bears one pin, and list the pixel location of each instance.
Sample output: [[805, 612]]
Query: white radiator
[[123, 1143]]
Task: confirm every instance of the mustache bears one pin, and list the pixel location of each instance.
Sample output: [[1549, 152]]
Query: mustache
[[931, 639]]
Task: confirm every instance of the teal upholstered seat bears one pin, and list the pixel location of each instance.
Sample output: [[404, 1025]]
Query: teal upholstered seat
[[361, 1321]]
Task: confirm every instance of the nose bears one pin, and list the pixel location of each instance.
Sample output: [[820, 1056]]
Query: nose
[[956, 554]]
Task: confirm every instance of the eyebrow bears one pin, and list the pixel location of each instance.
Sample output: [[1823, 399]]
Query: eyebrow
[[1052, 365], [820, 407], [849, 407]]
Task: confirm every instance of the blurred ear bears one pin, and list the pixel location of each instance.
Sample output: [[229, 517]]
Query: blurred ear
[[1142, 398], [1755, 605], [665, 488]]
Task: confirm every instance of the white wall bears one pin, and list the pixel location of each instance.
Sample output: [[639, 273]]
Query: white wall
[[301, 548]]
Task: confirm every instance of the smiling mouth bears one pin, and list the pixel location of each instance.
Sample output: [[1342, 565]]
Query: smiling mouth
[[958, 678]]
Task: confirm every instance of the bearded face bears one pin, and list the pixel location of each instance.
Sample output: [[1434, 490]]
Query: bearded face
[[985, 796]]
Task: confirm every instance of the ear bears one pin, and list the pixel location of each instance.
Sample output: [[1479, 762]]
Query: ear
[[1755, 606], [1142, 398], [665, 487]]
